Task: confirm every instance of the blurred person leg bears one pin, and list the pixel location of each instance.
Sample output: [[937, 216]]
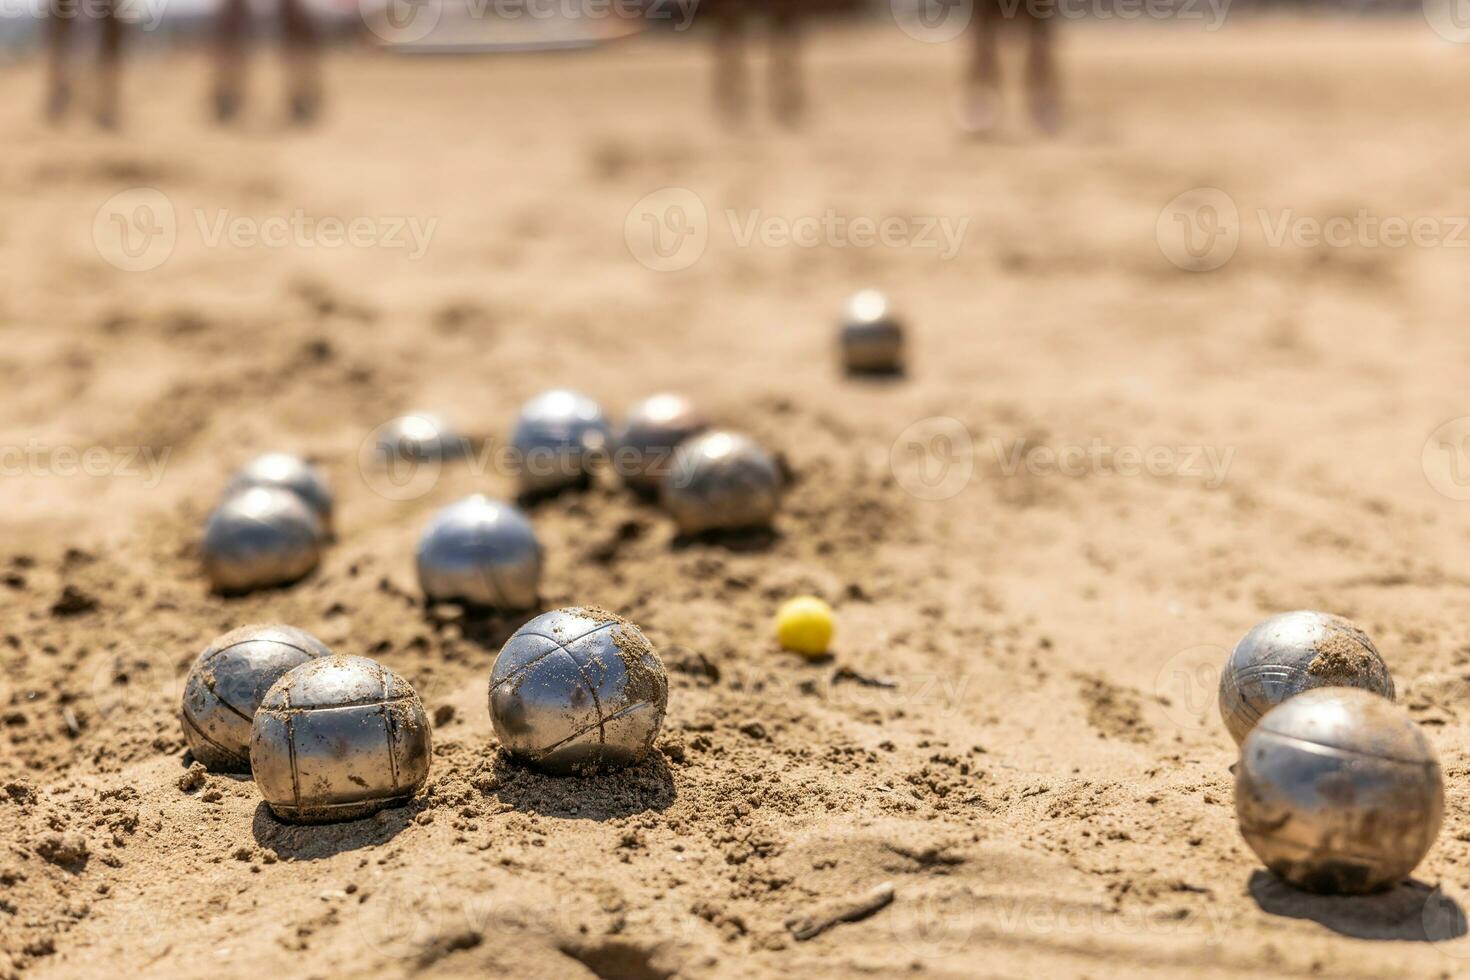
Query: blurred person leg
[[303, 55], [109, 63], [59, 17], [232, 35], [731, 86], [788, 96], [1043, 89], [980, 105]]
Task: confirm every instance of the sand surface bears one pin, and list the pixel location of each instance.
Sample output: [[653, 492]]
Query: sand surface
[[1045, 786]]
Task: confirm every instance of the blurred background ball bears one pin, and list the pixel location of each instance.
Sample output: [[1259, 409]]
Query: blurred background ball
[[227, 683], [805, 625], [872, 336], [483, 552], [654, 428], [1291, 653], [721, 481], [577, 689], [258, 538], [418, 437], [339, 738], [558, 438], [1338, 791], [287, 472]]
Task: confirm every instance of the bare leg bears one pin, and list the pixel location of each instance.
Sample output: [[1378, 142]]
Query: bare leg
[[730, 81], [232, 35], [302, 54], [58, 28], [1043, 89], [109, 65], [788, 97], [980, 106]]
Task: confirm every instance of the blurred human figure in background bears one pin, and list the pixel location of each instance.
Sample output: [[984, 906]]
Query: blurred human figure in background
[[302, 44], [981, 105], [61, 16], [732, 19]]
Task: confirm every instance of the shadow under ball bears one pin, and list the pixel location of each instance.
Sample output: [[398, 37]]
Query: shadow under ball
[[228, 682], [654, 428], [872, 336], [339, 738], [481, 551], [1291, 653], [558, 437], [258, 538], [578, 689], [721, 481], [1338, 791], [287, 472]]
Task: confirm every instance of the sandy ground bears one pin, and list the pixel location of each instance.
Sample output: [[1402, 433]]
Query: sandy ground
[[1046, 787]]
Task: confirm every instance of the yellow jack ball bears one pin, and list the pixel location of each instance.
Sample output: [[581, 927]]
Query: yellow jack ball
[[805, 625]]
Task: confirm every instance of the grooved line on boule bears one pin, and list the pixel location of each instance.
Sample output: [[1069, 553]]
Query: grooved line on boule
[[387, 725], [540, 657]]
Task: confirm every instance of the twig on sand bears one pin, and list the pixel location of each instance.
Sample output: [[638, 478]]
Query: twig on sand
[[851, 909]]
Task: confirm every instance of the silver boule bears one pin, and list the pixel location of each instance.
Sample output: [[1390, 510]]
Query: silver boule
[[872, 335], [654, 428], [578, 689], [1291, 653], [287, 472], [481, 551], [558, 438], [227, 683], [259, 538], [1338, 791], [419, 436], [339, 738], [721, 481]]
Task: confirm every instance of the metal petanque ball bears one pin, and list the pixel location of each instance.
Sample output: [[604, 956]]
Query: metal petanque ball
[[339, 738], [721, 481], [259, 538], [481, 551], [872, 336], [1291, 653], [227, 683], [578, 689], [287, 472], [1338, 791], [420, 436], [654, 428], [558, 438]]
